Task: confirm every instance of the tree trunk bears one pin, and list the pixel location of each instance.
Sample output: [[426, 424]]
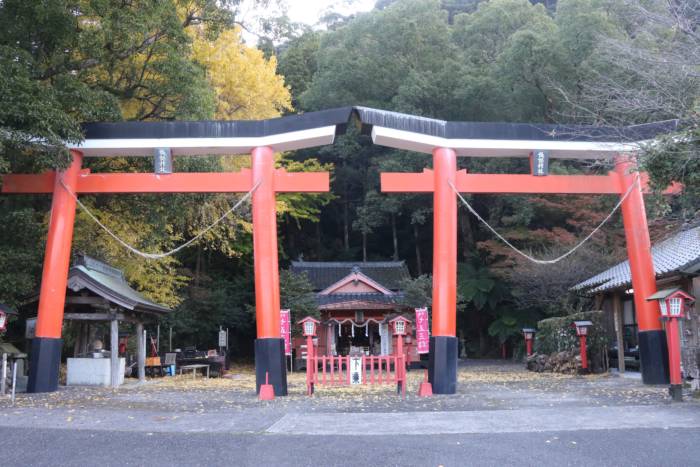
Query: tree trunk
[[346, 222], [619, 329], [364, 246], [318, 240], [291, 238], [198, 266], [468, 243], [419, 262], [395, 237]]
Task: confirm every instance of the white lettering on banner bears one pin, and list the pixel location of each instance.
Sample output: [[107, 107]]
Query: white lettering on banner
[[422, 331], [286, 331]]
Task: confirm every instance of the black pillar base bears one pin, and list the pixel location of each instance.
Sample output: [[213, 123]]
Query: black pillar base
[[442, 364], [270, 359], [44, 364], [676, 392], [653, 355]]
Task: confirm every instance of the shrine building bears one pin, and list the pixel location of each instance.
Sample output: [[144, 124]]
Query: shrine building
[[676, 266], [356, 300]]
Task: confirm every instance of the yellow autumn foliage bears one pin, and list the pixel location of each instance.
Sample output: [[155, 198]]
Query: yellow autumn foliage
[[246, 84]]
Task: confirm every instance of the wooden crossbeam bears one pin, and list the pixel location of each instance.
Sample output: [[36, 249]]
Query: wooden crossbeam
[[213, 182], [424, 182]]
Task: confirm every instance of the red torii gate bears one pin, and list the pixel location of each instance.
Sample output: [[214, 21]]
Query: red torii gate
[[260, 138], [447, 140]]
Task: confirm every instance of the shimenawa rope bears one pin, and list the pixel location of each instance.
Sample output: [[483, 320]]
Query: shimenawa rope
[[167, 253], [559, 258]]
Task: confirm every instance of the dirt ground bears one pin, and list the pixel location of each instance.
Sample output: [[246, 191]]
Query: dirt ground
[[482, 385]]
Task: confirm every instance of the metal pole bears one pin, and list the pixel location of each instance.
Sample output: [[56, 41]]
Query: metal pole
[[170, 340], [14, 379], [158, 339], [4, 373]]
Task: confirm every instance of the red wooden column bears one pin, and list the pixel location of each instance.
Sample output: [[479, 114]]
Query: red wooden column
[[269, 345], [653, 350], [443, 342], [47, 345]]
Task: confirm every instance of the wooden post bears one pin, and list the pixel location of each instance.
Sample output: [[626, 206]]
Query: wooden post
[[141, 352], [619, 326], [4, 374], [114, 352], [78, 328]]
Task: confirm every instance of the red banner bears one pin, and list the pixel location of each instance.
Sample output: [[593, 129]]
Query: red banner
[[422, 331], [286, 331]]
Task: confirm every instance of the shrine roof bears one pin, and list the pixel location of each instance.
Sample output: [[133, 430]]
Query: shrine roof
[[7, 309], [493, 139], [677, 254], [287, 133], [109, 283], [321, 274], [387, 128]]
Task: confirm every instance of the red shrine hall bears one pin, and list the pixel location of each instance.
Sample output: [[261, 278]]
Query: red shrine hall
[[356, 301]]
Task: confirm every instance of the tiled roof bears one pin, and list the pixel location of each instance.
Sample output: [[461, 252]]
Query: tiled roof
[[109, 283], [331, 299], [323, 274], [678, 254], [7, 310]]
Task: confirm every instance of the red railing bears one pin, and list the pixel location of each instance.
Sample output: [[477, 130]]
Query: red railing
[[335, 370]]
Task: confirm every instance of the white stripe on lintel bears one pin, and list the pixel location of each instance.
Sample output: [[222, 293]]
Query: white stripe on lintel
[[418, 142], [203, 146]]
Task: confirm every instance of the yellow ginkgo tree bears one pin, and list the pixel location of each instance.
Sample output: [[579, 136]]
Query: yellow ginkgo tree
[[246, 84]]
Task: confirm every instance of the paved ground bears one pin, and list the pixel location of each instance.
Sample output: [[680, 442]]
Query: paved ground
[[502, 415]]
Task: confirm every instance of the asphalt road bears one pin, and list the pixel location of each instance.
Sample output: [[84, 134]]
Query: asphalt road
[[59, 447]]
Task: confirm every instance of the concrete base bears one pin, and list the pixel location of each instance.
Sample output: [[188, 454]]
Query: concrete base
[[270, 360], [44, 364], [676, 392], [442, 364], [92, 372], [653, 356]]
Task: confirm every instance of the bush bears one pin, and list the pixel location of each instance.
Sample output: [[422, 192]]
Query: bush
[[558, 334]]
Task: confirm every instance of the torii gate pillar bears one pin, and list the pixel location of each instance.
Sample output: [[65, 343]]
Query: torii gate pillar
[[269, 346], [47, 343], [653, 351], [442, 369]]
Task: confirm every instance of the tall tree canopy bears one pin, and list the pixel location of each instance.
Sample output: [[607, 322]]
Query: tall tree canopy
[[587, 61]]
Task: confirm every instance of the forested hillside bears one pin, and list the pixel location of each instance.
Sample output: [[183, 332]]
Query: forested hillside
[[615, 62]]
